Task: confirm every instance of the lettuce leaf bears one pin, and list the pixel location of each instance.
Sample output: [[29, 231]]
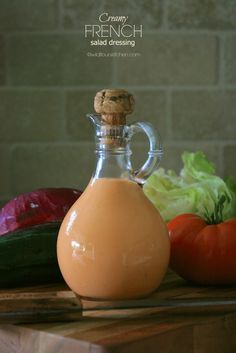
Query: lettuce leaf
[[195, 190], [230, 182]]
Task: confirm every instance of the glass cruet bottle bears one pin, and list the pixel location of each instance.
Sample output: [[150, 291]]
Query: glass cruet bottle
[[113, 243]]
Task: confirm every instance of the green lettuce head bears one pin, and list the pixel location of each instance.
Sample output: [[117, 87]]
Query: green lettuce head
[[195, 190]]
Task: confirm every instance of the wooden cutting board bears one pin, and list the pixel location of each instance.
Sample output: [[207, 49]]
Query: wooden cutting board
[[39, 304], [177, 318]]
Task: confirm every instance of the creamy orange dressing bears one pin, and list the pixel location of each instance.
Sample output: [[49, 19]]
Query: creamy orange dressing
[[113, 243]]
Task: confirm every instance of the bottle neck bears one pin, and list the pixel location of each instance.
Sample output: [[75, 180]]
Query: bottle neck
[[113, 152], [113, 163]]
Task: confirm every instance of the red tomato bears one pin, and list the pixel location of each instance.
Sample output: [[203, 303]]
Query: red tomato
[[203, 253]]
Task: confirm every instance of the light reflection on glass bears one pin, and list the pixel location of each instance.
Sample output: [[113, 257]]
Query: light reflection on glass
[[70, 222], [82, 250]]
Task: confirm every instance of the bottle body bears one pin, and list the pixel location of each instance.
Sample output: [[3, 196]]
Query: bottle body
[[113, 243]]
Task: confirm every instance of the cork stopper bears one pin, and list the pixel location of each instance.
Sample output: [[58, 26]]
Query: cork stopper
[[113, 105]]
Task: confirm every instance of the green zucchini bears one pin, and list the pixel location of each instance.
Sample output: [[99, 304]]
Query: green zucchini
[[28, 256]]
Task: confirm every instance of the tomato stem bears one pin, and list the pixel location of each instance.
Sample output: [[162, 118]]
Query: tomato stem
[[217, 215]]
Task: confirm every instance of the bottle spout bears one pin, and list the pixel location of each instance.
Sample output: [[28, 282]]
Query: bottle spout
[[95, 119]]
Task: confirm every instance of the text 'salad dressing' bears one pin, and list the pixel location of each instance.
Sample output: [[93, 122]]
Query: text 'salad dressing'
[[113, 244]]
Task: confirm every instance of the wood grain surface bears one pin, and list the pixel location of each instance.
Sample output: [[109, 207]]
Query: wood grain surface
[[177, 318]]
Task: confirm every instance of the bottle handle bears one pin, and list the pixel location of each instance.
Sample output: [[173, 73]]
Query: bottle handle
[[154, 155]]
